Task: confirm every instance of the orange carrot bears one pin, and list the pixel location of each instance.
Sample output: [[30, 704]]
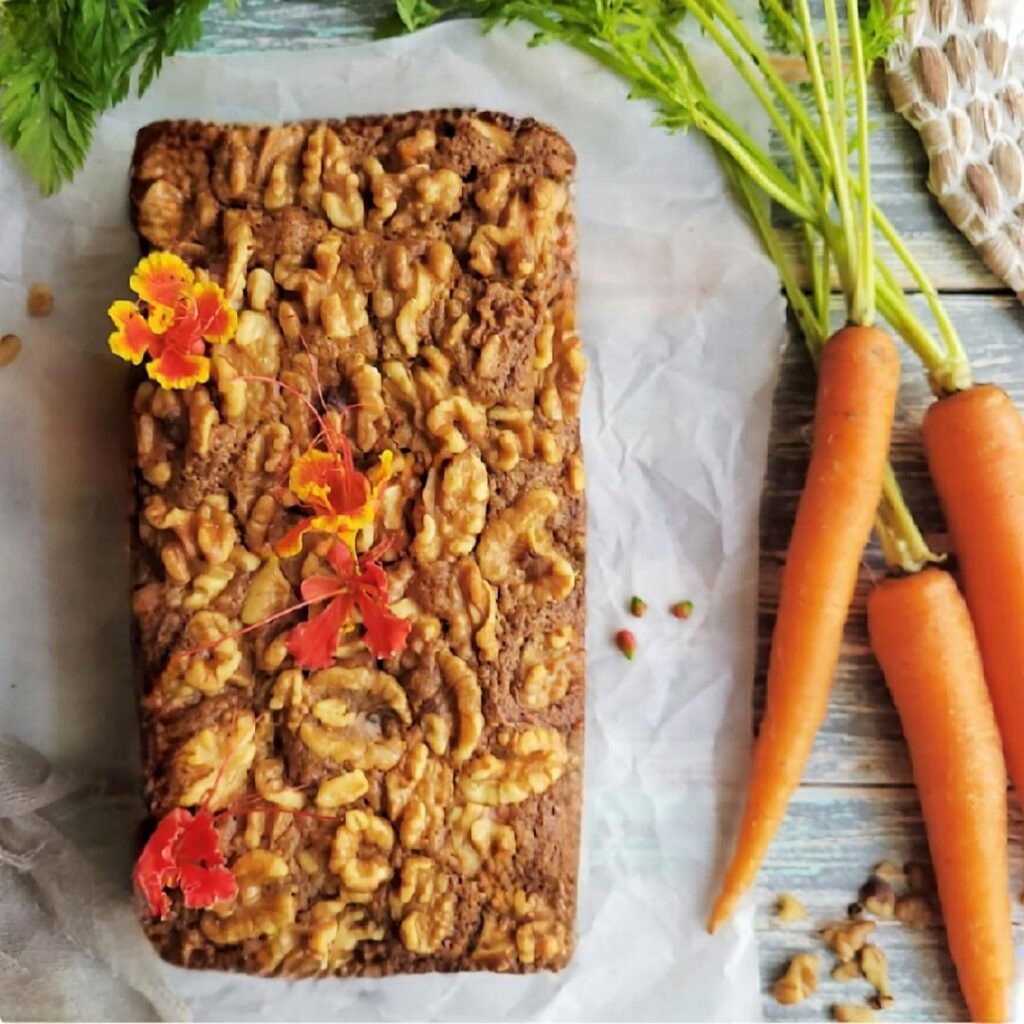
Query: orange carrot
[[857, 384], [974, 441], [922, 636]]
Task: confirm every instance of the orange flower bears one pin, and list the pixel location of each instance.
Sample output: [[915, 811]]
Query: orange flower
[[172, 322], [342, 499]]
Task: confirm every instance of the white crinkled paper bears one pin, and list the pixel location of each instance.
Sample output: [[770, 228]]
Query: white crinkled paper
[[682, 322]]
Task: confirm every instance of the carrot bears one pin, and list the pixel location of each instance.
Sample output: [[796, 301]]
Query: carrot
[[974, 441], [922, 636], [857, 384]]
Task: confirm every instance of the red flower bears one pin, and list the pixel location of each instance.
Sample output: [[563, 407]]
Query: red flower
[[355, 584], [184, 852]]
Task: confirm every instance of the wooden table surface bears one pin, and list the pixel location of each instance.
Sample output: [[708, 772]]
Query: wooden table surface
[[857, 805]]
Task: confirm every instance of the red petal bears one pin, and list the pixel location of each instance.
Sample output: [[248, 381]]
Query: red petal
[[291, 543], [313, 644], [342, 562], [386, 634], [202, 887], [156, 867], [199, 842], [319, 588]]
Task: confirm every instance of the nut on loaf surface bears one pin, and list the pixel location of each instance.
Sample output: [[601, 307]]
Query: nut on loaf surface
[[413, 278]]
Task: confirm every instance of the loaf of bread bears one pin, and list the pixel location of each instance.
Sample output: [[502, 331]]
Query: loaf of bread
[[404, 289]]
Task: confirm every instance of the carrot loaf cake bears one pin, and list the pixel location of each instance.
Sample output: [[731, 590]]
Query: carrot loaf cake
[[359, 544]]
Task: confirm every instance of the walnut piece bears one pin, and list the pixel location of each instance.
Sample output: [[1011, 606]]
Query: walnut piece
[[790, 909], [548, 666], [341, 789], [266, 903], [848, 939], [425, 904], [207, 671], [336, 927], [360, 851], [339, 712], [419, 788], [536, 759], [212, 766], [914, 911], [521, 927], [517, 535], [799, 981], [875, 968], [477, 838], [878, 898], [462, 679], [454, 510]]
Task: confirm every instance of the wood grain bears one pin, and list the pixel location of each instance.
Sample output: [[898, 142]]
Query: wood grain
[[857, 805]]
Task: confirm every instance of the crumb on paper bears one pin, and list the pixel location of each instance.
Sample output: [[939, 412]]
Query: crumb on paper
[[789, 908], [848, 939], [852, 1013], [682, 609], [637, 607], [40, 300], [799, 981], [846, 970], [10, 346]]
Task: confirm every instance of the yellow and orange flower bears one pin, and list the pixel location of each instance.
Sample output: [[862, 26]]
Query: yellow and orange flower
[[343, 500], [172, 321]]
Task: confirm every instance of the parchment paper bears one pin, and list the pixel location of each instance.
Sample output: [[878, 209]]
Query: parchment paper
[[682, 322]]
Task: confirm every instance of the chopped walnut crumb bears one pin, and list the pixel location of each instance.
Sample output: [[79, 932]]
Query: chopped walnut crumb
[[852, 1013], [789, 908], [799, 981], [879, 898], [40, 300], [848, 939], [876, 969], [914, 911], [847, 970], [10, 346]]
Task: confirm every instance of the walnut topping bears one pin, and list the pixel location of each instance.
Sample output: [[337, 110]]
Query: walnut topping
[[477, 838], [536, 759], [207, 671], [336, 927], [799, 981], [213, 766], [268, 592], [548, 666], [461, 678], [360, 851], [341, 789], [265, 905], [454, 510], [270, 784], [519, 533], [342, 715], [519, 927], [425, 905], [418, 790]]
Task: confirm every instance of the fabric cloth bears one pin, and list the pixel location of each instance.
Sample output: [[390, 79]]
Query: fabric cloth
[[68, 938]]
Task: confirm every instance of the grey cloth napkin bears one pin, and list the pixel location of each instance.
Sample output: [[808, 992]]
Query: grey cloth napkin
[[70, 946]]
